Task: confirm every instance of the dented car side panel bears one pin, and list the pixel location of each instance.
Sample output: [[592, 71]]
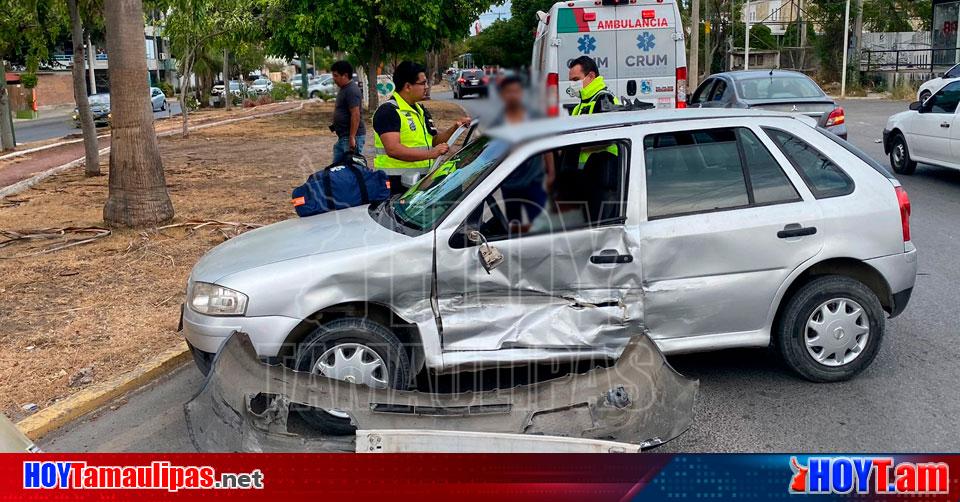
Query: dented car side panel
[[547, 294]]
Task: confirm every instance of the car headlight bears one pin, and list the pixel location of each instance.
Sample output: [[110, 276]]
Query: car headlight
[[211, 299]]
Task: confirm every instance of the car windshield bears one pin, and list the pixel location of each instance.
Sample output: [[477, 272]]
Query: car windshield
[[426, 202], [778, 87], [261, 81], [472, 74], [234, 85]]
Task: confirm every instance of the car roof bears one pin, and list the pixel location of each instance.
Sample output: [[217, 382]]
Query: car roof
[[551, 127], [747, 74]]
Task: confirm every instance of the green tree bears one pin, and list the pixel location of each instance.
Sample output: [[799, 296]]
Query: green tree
[[370, 30], [510, 42], [198, 28], [28, 29]]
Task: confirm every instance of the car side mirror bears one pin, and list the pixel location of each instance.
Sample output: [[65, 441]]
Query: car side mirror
[[490, 257], [916, 106]]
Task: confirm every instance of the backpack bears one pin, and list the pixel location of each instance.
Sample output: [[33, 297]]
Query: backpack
[[340, 185]]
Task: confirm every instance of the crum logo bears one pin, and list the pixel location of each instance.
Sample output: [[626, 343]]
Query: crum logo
[[877, 475]]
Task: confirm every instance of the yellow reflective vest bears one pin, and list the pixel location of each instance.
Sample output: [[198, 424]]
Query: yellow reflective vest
[[413, 134]]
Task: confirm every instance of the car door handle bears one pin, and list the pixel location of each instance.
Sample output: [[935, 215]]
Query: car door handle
[[944, 124], [608, 256], [795, 230]]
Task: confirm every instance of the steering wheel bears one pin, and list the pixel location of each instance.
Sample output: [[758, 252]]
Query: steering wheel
[[498, 214]]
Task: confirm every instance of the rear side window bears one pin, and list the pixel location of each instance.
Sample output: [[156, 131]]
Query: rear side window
[[709, 170], [822, 176]]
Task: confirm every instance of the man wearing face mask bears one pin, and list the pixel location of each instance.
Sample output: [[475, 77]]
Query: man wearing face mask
[[594, 95]]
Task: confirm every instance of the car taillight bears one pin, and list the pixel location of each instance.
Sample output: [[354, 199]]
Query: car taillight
[[485, 80], [553, 95], [682, 87], [461, 80], [904, 201], [836, 117]]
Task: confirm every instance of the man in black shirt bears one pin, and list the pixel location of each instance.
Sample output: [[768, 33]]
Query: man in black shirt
[[347, 112]]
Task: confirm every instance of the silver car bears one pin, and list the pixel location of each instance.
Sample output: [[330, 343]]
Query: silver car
[[559, 240], [158, 100]]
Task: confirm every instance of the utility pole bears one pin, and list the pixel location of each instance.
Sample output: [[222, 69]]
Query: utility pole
[[707, 53], [693, 74], [746, 40], [801, 23], [91, 60], [846, 41]]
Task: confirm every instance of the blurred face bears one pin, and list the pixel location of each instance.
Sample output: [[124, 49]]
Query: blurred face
[[418, 89], [576, 74], [512, 95], [341, 79]]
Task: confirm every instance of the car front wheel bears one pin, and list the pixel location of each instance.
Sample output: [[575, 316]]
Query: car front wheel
[[900, 159], [355, 350], [831, 329]]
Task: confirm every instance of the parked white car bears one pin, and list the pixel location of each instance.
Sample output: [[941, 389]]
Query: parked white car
[[928, 132], [158, 100], [931, 86], [262, 86], [322, 87]]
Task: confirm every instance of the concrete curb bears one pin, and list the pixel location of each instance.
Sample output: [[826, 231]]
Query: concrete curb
[[92, 398], [33, 180]]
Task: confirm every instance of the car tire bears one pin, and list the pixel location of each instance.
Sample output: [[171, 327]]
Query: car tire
[[900, 159], [163, 106], [351, 334], [924, 96], [845, 307], [314, 95], [456, 95]]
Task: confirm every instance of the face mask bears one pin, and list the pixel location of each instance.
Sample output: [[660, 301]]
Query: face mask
[[575, 87]]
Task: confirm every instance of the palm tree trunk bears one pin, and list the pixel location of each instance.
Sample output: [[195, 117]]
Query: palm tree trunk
[[92, 166], [226, 79], [184, 90], [137, 189]]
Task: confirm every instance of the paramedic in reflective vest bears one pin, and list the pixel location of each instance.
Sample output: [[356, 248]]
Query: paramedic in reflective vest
[[594, 95], [405, 138]]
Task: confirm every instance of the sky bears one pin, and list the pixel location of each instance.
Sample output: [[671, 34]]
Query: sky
[[487, 18]]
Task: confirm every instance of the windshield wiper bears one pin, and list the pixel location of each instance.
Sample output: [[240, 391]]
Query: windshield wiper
[[396, 214]]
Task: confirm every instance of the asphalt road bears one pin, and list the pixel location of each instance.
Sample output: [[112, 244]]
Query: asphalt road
[[60, 124], [905, 402]]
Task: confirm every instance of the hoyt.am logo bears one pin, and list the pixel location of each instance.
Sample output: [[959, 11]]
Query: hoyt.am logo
[[877, 475]]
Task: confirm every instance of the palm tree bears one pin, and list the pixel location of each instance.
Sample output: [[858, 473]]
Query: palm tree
[[137, 189]]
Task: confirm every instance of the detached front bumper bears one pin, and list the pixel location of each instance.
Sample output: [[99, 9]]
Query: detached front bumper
[[245, 404]]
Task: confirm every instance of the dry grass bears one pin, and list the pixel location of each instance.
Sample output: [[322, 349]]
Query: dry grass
[[114, 303]]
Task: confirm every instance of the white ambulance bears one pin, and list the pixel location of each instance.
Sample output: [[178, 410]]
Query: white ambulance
[[637, 44]]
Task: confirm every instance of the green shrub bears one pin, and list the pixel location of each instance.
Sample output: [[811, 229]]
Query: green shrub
[[281, 91], [166, 88], [28, 80], [904, 92]]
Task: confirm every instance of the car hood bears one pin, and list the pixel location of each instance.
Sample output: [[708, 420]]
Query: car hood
[[336, 231]]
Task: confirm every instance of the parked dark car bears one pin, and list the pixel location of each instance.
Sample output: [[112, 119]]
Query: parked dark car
[[470, 82], [774, 90]]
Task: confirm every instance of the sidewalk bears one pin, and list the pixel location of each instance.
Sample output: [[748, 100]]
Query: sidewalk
[[58, 111]]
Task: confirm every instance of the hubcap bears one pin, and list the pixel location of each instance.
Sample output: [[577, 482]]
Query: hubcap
[[898, 154], [354, 363], [837, 332]]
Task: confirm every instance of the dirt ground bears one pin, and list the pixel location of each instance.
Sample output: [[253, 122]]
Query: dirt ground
[[89, 312]]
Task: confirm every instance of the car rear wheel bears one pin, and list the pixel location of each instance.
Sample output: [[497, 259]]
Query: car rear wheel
[[831, 329], [900, 156], [314, 95], [355, 350]]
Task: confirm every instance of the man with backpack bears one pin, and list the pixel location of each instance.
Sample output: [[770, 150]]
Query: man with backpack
[[405, 138]]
